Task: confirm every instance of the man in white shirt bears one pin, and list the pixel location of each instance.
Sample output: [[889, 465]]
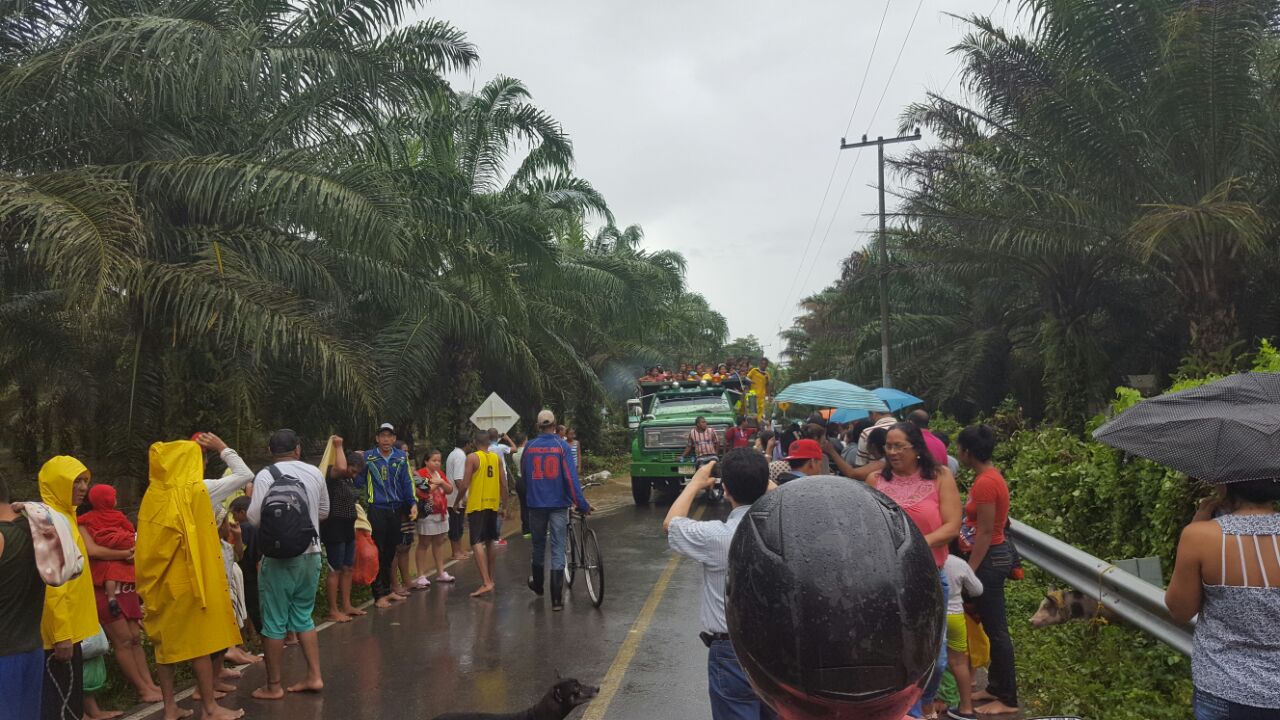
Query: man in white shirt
[[878, 419], [287, 582], [221, 489], [746, 478], [454, 467]]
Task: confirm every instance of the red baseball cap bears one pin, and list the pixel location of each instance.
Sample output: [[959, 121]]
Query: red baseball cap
[[805, 450]]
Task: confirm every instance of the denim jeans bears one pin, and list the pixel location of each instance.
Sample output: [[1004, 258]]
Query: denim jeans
[[931, 689], [1212, 707], [557, 521], [732, 697], [1002, 680]]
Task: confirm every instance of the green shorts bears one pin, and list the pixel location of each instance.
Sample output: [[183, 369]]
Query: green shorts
[[287, 594]]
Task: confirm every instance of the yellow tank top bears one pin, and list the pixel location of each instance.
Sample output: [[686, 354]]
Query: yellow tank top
[[485, 490]]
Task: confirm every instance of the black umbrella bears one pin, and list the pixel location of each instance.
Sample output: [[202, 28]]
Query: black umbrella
[[1223, 432]]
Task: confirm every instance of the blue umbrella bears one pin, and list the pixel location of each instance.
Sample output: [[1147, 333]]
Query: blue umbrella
[[831, 393], [847, 415], [895, 399]]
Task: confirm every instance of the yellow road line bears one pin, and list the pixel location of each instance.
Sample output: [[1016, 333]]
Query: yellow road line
[[627, 652]]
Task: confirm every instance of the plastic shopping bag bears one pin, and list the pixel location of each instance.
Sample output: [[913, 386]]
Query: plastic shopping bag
[[979, 643], [365, 570]]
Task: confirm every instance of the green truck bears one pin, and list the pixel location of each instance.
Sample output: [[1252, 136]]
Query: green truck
[[660, 419]]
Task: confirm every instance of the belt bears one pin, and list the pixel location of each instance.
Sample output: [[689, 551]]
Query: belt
[[708, 638]]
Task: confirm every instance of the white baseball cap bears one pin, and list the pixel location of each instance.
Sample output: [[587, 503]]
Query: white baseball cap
[[546, 418], [387, 427]]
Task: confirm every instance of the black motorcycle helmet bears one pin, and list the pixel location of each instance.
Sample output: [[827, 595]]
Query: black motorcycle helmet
[[833, 602]]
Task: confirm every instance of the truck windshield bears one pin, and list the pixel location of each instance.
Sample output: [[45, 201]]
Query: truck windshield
[[704, 404]]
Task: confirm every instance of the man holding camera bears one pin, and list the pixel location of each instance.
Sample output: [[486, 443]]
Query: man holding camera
[[745, 475]]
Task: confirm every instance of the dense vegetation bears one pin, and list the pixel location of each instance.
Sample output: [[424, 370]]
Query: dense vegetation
[[231, 215], [1101, 203], [1100, 672]]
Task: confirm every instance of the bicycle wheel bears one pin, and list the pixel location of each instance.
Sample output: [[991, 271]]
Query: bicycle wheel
[[593, 567], [573, 556]]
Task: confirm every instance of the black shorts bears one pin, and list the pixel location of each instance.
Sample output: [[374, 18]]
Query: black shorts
[[406, 531], [483, 525], [456, 525]]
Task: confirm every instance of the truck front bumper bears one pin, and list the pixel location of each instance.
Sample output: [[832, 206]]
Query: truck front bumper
[[658, 470]]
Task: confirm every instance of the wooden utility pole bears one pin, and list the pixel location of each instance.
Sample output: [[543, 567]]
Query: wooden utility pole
[[886, 378]]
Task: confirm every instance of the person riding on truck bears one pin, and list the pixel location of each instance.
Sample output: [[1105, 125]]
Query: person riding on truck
[[760, 378], [704, 441]]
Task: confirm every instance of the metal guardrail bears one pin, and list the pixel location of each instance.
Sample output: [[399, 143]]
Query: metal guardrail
[[1134, 600]]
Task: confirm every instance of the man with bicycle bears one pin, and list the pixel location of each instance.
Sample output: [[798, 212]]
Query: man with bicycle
[[551, 486]]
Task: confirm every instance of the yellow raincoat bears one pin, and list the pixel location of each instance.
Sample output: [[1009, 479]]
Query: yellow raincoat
[[178, 561], [70, 611]]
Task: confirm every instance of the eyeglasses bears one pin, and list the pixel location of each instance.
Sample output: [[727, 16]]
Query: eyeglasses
[[897, 448]]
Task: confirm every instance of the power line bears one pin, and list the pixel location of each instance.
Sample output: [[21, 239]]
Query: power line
[[839, 203], [782, 309], [862, 84]]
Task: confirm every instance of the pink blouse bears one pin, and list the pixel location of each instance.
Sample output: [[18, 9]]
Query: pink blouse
[[919, 497]]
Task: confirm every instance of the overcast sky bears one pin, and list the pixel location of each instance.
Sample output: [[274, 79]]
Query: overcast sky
[[715, 124]]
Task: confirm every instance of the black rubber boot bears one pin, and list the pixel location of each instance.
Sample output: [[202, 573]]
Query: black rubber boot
[[537, 579], [557, 590]]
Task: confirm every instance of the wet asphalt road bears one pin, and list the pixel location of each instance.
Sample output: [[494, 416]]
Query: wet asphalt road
[[442, 651]]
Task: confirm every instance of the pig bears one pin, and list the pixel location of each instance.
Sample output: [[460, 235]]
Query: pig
[[1060, 606]]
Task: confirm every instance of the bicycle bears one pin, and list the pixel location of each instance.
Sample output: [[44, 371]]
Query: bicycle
[[583, 553]]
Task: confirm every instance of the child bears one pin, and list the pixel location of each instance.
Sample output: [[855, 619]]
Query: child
[[248, 558], [960, 579], [111, 529], [433, 517]]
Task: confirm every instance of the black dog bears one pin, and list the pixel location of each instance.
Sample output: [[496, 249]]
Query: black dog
[[559, 701]]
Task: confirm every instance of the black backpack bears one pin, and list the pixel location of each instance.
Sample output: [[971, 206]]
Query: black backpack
[[285, 530]]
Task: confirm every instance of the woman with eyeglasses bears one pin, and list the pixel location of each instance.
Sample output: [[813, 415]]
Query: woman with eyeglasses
[[928, 494]]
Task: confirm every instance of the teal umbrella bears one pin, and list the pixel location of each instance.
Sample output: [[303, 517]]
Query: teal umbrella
[[832, 394]]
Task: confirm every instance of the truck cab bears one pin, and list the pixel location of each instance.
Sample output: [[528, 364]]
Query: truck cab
[[660, 419]]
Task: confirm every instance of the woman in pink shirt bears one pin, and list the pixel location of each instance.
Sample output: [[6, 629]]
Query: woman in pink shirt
[[927, 492]]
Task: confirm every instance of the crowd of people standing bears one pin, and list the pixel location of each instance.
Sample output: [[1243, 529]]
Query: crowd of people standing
[[910, 464], [211, 559]]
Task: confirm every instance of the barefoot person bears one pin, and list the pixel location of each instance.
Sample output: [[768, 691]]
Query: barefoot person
[[484, 486], [237, 479], [178, 564], [289, 501], [338, 531], [387, 492], [110, 540]]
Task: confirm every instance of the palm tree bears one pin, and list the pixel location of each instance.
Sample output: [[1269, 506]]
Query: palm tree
[[1097, 201]]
